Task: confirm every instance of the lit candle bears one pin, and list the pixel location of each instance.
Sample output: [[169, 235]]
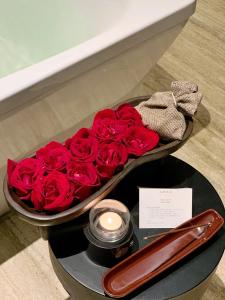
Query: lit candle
[[110, 221], [109, 233]]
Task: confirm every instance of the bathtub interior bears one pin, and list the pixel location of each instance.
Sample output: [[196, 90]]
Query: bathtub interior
[[31, 31]]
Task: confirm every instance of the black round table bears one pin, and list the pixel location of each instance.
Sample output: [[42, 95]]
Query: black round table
[[81, 277]]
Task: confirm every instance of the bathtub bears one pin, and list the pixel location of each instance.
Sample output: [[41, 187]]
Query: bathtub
[[102, 47]]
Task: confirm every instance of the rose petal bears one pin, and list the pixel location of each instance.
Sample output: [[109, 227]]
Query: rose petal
[[109, 130], [82, 192], [105, 172], [54, 156], [139, 140], [83, 146], [105, 114], [23, 176], [53, 192], [112, 154], [130, 114], [84, 174], [10, 168]]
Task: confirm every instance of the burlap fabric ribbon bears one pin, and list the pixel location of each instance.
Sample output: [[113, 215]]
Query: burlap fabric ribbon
[[165, 112]]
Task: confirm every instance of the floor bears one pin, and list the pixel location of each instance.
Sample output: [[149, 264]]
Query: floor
[[198, 54]]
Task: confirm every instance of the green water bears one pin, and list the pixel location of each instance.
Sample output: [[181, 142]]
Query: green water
[[32, 30]]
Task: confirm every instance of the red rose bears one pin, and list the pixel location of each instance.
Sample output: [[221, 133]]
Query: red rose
[[130, 114], [23, 175], [109, 130], [105, 114], [83, 133], [111, 156], [83, 146], [85, 178], [139, 140], [54, 156], [53, 192]]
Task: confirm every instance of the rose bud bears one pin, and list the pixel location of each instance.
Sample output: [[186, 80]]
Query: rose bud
[[54, 156], [109, 130], [53, 193], [85, 178], [83, 146], [128, 113], [23, 175], [111, 157], [139, 140]]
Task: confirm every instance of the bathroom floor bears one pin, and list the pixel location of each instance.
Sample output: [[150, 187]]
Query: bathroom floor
[[198, 55]]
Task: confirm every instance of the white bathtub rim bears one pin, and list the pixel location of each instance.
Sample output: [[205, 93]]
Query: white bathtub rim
[[31, 75]]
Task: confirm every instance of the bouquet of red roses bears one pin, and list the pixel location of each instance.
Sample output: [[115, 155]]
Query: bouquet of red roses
[[60, 175]]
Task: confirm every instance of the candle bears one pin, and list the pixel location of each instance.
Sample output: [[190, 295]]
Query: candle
[[109, 233], [110, 221]]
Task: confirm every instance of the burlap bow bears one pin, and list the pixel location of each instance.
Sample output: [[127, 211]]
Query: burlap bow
[[165, 112]]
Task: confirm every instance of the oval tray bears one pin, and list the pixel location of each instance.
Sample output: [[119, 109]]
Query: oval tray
[[159, 255], [43, 219]]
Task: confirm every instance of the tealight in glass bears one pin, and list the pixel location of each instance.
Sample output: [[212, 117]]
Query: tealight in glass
[[109, 220], [109, 232]]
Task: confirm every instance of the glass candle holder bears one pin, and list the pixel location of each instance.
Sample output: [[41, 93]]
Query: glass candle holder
[[109, 220], [109, 233]]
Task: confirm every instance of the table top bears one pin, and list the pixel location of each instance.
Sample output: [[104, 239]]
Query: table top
[[68, 245]]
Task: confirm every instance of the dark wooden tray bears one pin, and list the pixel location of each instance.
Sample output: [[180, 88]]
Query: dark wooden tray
[[158, 256], [44, 219]]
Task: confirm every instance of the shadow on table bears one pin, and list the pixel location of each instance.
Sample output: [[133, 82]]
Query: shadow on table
[[201, 120], [215, 290], [15, 235]]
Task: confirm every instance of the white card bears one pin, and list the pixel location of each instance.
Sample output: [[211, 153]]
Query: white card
[[164, 208]]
